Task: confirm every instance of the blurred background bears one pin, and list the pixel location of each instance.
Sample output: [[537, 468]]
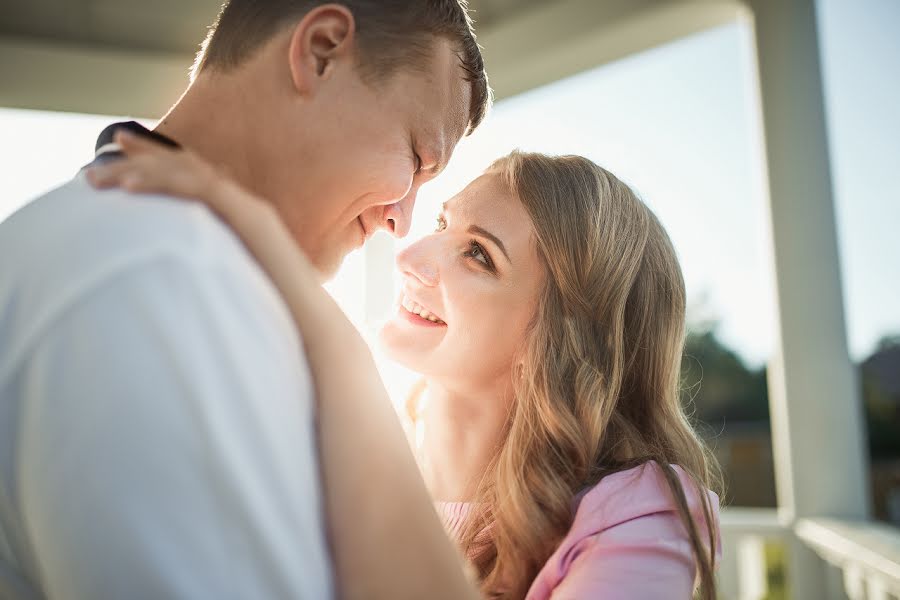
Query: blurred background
[[765, 135]]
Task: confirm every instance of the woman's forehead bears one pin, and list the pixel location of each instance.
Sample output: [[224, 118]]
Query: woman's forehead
[[486, 195], [488, 203]]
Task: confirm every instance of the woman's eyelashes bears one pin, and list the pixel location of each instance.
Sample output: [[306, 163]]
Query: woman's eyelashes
[[475, 250]]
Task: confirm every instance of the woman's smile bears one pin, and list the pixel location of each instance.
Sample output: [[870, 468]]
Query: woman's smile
[[415, 313]]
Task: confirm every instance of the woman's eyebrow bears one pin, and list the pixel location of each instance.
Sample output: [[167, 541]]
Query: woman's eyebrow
[[476, 230]]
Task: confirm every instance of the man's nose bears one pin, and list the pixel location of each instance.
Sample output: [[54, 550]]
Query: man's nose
[[398, 216], [419, 261]]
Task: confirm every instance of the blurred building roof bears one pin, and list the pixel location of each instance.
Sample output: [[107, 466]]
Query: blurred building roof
[[119, 57], [167, 26]]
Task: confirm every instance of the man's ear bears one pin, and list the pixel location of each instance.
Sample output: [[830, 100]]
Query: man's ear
[[325, 36]]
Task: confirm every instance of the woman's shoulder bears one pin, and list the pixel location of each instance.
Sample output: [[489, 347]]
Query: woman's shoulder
[[634, 493], [627, 526]]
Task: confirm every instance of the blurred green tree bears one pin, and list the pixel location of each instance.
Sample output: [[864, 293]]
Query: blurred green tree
[[718, 383], [880, 381]]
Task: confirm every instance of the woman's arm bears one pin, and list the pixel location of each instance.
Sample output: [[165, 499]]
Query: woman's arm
[[387, 539]]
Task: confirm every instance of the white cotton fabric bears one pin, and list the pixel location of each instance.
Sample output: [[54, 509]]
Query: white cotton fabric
[[156, 410]]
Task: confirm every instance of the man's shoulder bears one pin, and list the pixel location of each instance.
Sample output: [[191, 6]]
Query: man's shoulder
[[75, 231], [81, 224], [74, 240]]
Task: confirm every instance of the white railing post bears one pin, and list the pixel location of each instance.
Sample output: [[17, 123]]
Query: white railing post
[[858, 560], [854, 582], [862, 557], [745, 533], [876, 589], [751, 557]]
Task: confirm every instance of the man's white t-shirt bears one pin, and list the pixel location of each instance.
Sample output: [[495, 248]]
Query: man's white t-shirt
[[157, 431]]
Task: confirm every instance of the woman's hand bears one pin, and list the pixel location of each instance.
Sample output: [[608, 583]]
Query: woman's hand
[[151, 168]]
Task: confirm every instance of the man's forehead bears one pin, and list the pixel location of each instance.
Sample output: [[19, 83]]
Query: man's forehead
[[453, 122], [460, 105], [451, 98]]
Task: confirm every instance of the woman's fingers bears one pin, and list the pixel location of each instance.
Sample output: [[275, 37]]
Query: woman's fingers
[[138, 146], [151, 168], [132, 144], [102, 177], [144, 173], [111, 174], [147, 175], [160, 176]]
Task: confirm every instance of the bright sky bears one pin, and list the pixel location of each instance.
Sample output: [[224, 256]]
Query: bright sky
[[677, 124]]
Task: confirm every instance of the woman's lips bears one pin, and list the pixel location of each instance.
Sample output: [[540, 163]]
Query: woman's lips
[[415, 319], [417, 313]]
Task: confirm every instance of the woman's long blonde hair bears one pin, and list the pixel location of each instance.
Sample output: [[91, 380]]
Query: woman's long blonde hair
[[598, 385]]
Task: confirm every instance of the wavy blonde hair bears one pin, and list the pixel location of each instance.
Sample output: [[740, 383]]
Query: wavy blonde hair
[[598, 389]]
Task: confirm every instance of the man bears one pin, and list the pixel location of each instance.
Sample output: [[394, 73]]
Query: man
[[156, 412]]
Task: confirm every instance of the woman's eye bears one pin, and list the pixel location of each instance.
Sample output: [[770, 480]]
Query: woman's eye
[[441, 223], [477, 252]]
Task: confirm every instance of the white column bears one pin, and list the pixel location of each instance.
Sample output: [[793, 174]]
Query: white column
[[379, 290], [817, 427]]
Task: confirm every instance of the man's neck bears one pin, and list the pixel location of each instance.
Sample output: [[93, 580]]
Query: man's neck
[[462, 433], [210, 119]]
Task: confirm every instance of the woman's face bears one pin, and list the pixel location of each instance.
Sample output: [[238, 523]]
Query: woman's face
[[469, 289]]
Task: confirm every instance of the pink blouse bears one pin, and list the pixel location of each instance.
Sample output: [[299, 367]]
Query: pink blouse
[[626, 542]]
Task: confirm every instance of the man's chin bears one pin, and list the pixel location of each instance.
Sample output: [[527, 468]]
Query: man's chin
[[328, 266], [329, 260]]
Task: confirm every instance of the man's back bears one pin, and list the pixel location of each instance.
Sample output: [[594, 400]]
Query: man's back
[[156, 418]]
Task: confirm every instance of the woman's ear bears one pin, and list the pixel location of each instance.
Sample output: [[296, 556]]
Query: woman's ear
[[325, 37]]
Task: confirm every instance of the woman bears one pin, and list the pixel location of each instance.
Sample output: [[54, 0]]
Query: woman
[[546, 315]]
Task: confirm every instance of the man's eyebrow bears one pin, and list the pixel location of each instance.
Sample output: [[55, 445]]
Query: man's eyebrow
[[441, 154]]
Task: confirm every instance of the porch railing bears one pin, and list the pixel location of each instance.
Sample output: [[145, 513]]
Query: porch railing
[[861, 560]]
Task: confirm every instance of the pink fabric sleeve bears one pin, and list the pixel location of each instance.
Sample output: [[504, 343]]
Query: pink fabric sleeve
[[646, 558]]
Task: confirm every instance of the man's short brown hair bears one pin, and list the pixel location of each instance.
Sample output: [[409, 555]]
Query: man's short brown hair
[[391, 34]]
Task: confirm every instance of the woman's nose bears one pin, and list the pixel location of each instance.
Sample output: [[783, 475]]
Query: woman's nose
[[419, 261]]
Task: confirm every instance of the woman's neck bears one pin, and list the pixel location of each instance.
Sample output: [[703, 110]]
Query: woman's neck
[[461, 434]]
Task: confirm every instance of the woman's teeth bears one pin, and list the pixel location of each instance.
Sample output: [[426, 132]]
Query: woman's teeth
[[416, 309], [429, 316]]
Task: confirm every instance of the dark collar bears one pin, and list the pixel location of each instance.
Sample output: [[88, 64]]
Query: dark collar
[[106, 148]]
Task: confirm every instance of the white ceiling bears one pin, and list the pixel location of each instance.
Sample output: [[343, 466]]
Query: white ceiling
[[166, 26], [120, 57]]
